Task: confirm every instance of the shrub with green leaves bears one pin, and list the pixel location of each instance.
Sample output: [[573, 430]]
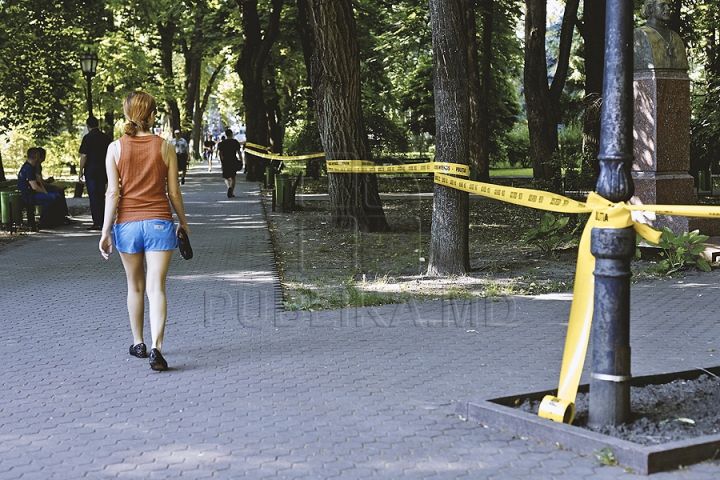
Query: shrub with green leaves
[[548, 237], [680, 251]]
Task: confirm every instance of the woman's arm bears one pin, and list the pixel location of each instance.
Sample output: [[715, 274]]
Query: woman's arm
[[112, 197], [174, 193]]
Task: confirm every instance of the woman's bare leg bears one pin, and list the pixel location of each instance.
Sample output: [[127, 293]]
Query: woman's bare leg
[[135, 273], [157, 268]]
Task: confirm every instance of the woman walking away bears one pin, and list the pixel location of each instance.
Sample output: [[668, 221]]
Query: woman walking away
[[145, 165]]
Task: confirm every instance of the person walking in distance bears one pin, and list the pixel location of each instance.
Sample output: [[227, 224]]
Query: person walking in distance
[[140, 167], [208, 147], [93, 150], [181, 151], [228, 150]]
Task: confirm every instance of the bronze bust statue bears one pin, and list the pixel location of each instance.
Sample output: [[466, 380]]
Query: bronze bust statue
[[656, 46]]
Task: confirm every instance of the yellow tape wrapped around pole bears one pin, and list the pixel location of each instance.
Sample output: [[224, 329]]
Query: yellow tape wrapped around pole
[[603, 214]]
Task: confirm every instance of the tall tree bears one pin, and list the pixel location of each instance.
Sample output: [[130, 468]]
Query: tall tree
[[40, 45], [487, 10], [335, 78], [193, 49], [250, 66], [167, 28], [543, 99], [478, 134], [449, 253]]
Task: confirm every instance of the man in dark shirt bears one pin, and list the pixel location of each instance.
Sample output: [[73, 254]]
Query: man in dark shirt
[[208, 148], [34, 193], [93, 150], [228, 150]]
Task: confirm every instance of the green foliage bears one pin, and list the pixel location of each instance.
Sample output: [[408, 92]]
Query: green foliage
[[548, 236], [40, 44], [516, 149], [14, 146], [681, 251], [570, 139], [355, 297], [606, 457], [303, 138], [506, 70], [61, 149]]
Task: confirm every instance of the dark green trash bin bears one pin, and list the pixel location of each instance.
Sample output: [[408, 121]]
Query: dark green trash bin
[[704, 183], [11, 205], [283, 190], [269, 177]]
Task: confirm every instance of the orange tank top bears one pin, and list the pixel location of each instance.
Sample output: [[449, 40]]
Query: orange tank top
[[143, 180]]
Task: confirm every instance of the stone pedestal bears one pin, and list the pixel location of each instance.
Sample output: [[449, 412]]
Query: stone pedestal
[[661, 150]]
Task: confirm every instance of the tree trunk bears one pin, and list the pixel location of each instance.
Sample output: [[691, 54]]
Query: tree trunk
[[312, 166], [167, 37], [592, 31], [477, 158], [488, 7], [274, 116], [543, 101], [335, 78], [449, 253], [250, 66], [202, 106], [192, 124], [542, 120], [109, 125], [2, 170]]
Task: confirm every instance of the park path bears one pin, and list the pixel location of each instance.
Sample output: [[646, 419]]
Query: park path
[[257, 392]]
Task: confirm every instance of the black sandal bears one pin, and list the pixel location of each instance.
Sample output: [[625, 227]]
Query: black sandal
[[157, 362]]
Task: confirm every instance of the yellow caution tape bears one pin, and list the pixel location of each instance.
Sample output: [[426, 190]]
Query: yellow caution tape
[[367, 166], [603, 214], [284, 158], [256, 146], [519, 196]]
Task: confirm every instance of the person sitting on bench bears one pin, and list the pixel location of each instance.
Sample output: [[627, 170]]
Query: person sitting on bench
[[34, 193], [50, 187]]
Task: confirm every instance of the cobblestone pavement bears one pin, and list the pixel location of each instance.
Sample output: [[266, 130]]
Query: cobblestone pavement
[[255, 392]]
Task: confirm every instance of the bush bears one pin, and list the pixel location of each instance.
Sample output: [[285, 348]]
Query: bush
[[548, 237], [517, 148], [681, 251]]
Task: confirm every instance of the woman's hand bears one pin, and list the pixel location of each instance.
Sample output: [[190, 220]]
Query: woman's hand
[[106, 245], [184, 226]]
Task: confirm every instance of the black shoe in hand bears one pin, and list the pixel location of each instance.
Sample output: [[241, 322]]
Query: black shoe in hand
[[157, 362]]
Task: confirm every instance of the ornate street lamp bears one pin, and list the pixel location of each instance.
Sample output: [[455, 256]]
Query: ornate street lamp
[[88, 64], [613, 248]]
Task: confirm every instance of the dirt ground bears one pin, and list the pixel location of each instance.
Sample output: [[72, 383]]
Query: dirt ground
[[322, 267], [663, 413]]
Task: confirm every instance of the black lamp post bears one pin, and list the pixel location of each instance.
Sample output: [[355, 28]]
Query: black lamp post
[[613, 247], [88, 64]]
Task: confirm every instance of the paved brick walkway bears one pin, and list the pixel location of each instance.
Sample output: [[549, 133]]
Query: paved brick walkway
[[259, 393]]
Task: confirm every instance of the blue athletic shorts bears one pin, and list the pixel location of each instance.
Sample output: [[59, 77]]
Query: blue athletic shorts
[[145, 235]]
